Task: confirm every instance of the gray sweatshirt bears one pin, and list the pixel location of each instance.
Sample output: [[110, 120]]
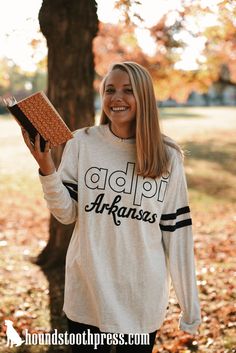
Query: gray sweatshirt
[[132, 234]]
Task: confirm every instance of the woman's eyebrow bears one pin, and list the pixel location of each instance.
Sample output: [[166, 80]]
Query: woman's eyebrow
[[110, 84]]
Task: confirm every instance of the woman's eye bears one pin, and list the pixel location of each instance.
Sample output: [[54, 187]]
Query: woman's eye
[[112, 90], [109, 90]]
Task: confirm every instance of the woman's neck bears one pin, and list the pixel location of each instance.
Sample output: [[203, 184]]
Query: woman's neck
[[122, 132]]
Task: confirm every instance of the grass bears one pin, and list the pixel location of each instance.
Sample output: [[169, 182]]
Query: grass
[[208, 137]]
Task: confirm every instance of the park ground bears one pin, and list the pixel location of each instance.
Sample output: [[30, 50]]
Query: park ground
[[207, 136]]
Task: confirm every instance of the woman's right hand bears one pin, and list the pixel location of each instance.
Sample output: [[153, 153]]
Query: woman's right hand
[[44, 159]]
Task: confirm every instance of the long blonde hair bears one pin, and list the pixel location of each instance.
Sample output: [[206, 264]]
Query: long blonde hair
[[151, 151]]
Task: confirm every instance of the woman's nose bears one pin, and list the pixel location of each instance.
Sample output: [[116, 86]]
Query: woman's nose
[[117, 96]]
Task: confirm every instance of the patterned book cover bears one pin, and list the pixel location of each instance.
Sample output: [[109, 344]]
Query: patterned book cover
[[37, 114]]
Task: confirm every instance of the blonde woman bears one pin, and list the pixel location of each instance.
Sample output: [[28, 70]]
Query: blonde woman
[[123, 183]]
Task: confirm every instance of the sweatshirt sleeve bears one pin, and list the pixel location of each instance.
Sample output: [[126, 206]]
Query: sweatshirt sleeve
[[61, 188], [176, 227]]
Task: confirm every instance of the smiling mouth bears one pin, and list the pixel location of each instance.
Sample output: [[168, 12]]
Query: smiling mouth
[[119, 109]]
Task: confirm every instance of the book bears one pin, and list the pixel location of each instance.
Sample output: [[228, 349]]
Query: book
[[36, 114]]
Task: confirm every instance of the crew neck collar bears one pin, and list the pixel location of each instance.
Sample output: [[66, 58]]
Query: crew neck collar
[[118, 139]]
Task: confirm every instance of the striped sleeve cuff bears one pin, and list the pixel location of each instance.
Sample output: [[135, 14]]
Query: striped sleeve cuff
[[171, 221]]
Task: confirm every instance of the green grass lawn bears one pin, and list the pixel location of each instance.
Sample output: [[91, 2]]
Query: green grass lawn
[[207, 135]]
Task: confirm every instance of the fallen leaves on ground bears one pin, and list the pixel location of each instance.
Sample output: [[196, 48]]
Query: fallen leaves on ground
[[24, 288]]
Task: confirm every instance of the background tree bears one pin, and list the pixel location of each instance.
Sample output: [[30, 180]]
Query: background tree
[[221, 43], [116, 43], [119, 41], [69, 28]]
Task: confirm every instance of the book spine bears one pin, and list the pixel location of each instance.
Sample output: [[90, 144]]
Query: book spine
[[26, 124]]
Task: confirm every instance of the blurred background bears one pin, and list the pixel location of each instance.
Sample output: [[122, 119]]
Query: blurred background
[[189, 47], [192, 42]]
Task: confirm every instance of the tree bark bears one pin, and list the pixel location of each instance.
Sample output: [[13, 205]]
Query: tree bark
[[69, 28]]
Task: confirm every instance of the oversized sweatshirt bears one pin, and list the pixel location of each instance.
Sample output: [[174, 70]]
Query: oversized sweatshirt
[[132, 235]]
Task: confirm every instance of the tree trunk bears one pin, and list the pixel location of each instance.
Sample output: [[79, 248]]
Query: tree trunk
[[69, 27]]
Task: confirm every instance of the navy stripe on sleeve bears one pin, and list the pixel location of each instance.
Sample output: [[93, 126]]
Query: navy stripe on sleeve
[[180, 211], [73, 190], [179, 219], [177, 225]]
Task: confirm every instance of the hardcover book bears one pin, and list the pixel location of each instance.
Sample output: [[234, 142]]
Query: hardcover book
[[36, 114]]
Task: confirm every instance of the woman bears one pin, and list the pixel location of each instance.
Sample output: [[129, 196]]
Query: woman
[[123, 183]]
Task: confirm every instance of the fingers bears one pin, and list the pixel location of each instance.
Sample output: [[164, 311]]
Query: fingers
[[27, 140], [43, 158], [37, 143], [47, 147], [35, 148]]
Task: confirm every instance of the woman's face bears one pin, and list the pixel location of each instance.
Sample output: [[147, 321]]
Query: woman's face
[[118, 101]]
